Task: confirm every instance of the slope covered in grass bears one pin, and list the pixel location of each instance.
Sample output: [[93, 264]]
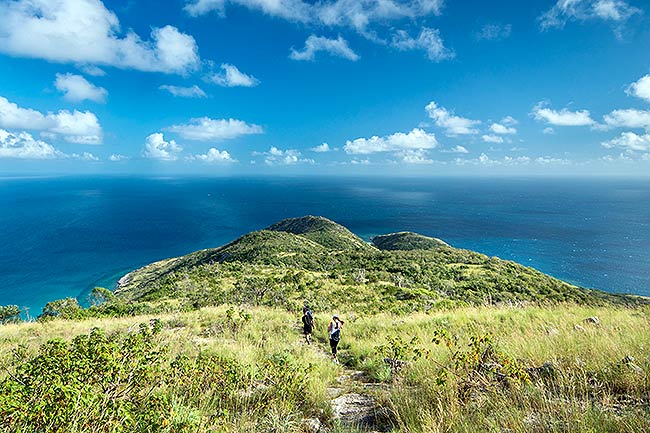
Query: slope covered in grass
[[236, 369], [317, 259]]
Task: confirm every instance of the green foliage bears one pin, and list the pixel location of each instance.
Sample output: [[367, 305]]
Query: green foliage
[[480, 366], [110, 377], [9, 314], [406, 241], [67, 308]]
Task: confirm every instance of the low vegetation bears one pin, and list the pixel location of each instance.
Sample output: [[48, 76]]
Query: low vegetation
[[450, 341]]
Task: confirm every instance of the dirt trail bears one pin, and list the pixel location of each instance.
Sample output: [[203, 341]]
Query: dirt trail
[[354, 400]]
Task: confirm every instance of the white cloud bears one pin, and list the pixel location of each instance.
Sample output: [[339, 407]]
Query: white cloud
[[355, 14], [215, 156], [492, 139], [92, 70], [76, 88], [429, 40], [509, 161], [116, 157], [75, 127], [548, 131], [24, 146], [563, 117], [630, 141], [86, 32], [414, 156], [184, 92], [454, 125], [499, 128], [155, 147], [232, 77], [292, 10], [204, 128], [416, 139], [494, 32], [615, 11], [640, 88], [85, 156], [335, 47], [321, 148], [629, 118], [275, 156], [458, 149]]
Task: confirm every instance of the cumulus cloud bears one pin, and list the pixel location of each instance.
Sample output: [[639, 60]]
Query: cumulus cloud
[[334, 47], [155, 147], [509, 161], [116, 157], [414, 156], [494, 32], [492, 138], [204, 128], [214, 156], [184, 92], [321, 148], [563, 117], [275, 156], [630, 141], [428, 40], [453, 125], [75, 127], [23, 146], [85, 156], [458, 149], [629, 118], [76, 88], [614, 11], [293, 10], [230, 76], [640, 88], [416, 139], [355, 14], [548, 131], [86, 32], [505, 127]]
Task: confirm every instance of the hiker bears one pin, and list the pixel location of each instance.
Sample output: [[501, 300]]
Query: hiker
[[334, 330], [307, 323]]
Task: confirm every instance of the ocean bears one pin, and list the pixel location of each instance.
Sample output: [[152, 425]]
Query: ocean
[[60, 237]]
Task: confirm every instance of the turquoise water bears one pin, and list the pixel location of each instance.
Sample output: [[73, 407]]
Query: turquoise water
[[62, 236]]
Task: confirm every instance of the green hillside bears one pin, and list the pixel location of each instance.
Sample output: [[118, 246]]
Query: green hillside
[[315, 259], [436, 339], [406, 241]]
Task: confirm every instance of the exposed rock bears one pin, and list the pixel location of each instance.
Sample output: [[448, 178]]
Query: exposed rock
[[355, 410], [553, 331], [312, 425], [546, 371], [592, 320], [628, 361]]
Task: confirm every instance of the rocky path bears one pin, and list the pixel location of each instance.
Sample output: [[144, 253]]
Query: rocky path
[[354, 402]]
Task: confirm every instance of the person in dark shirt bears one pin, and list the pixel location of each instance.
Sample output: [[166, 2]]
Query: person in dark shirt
[[307, 323]]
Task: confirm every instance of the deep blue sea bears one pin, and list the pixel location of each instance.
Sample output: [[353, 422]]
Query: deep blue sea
[[62, 236]]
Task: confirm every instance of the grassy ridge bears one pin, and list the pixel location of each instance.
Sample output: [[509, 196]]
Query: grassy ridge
[[316, 259]]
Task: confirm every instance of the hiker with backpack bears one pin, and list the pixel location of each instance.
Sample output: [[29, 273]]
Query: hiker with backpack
[[334, 330], [307, 323]]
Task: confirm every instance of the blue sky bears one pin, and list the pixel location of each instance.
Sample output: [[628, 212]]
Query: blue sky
[[404, 87]]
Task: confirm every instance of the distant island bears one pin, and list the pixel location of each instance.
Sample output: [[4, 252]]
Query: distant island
[[435, 339]]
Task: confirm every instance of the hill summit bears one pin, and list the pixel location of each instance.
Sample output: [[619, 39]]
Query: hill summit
[[313, 259], [323, 231]]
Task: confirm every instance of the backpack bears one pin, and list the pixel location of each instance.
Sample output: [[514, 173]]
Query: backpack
[[335, 335]]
